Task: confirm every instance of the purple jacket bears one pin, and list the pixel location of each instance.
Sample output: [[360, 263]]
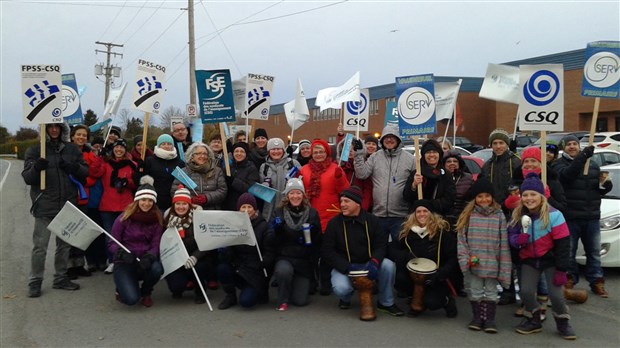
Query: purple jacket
[[139, 238]]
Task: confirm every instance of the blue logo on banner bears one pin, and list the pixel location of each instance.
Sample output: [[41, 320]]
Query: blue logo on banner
[[415, 100], [357, 107], [148, 88], [41, 95], [215, 96], [601, 72], [71, 108], [542, 88]]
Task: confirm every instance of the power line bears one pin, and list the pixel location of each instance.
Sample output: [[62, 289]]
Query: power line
[[92, 4], [293, 13], [130, 21], [146, 21], [157, 39], [221, 38], [112, 21]]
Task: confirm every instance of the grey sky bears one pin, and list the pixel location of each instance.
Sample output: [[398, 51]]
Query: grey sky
[[323, 47]]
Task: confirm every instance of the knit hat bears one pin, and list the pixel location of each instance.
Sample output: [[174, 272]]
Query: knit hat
[[294, 184], [137, 139], [304, 142], [97, 140], [500, 134], [121, 142], [532, 183], [182, 195], [247, 198], [482, 185], [164, 138], [432, 144], [115, 130], [260, 132], [323, 143], [353, 193], [423, 203], [371, 139], [568, 138], [275, 143], [553, 148], [531, 152], [146, 189], [242, 145]]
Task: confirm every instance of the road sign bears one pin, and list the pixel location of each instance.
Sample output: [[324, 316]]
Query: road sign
[[190, 109]]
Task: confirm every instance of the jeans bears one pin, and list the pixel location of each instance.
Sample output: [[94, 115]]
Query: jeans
[[127, 279], [343, 288], [108, 217], [292, 288], [248, 296], [392, 226], [530, 278], [177, 280], [589, 231], [40, 240], [481, 289]]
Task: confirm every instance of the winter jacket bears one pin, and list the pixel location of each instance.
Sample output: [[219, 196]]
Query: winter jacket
[[258, 155], [547, 247], [462, 183], [498, 170], [89, 158], [242, 175], [112, 200], [58, 188], [161, 170], [356, 239], [365, 185], [276, 171], [138, 237], [437, 186], [486, 238], [332, 182], [583, 194], [189, 241], [557, 197]]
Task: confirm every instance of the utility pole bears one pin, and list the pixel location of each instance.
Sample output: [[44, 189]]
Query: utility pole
[[108, 68], [192, 53]]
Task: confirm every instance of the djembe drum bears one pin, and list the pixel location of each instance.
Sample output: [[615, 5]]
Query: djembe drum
[[419, 269], [364, 286]]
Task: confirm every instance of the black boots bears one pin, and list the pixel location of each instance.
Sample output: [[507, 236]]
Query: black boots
[[231, 297]]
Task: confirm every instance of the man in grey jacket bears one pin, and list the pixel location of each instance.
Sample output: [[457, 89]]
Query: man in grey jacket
[[389, 168]]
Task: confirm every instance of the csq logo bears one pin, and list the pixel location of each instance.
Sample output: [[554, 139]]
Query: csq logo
[[541, 88], [357, 107], [602, 70], [416, 105]]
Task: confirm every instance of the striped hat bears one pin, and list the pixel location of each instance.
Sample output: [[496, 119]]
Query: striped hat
[[182, 195], [146, 189]]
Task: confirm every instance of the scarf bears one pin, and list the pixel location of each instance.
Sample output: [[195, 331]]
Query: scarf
[[486, 211], [317, 169], [165, 154], [181, 222], [145, 218], [292, 213], [207, 170], [527, 171], [420, 231], [116, 166]]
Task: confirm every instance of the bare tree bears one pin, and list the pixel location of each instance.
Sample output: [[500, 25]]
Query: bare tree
[[164, 117]]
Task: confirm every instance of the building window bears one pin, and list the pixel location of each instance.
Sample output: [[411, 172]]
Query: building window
[[601, 124], [374, 107], [331, 139], [390, 99]]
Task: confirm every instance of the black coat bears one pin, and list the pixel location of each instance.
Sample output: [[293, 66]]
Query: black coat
[[161, 171], [437, 186], [258, 156], [242, 175], [557, 197]]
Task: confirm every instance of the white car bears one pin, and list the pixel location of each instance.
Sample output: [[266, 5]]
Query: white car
[[603, 140], [604, 157], [610, 223]]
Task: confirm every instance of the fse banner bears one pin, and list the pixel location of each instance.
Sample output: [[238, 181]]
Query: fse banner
[[41, 94], [601, 73], [215, 95], [415, 100], [357, 111], [501, 83], [541, 103], [149, 89], [258, 96], [172, 252], [71, 109], [217, 229]]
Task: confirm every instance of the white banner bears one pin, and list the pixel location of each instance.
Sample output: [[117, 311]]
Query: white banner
[[114, 101], [238, 87], [149, 89], [541, 101], [234, 128], [258, 96], [446, 94], [41, 94], [296, 110], [74, 227], [175, 120], [217, 229], [172, 252], [501, 83], [333, 97], [357, 111]]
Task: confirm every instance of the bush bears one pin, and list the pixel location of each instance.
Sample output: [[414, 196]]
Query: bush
[[22, 146]]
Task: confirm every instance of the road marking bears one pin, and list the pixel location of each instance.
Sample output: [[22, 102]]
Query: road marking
[[8, 168]]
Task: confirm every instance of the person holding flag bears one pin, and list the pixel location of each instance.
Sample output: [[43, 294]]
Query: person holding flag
[[276, 170], [243, 174]]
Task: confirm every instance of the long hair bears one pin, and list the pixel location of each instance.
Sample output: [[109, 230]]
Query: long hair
[[543, 213], [133, 207], [463, 221], [435, 224]]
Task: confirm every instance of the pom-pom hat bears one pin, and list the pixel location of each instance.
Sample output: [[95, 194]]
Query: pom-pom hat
[[146, 189], [182, 195]]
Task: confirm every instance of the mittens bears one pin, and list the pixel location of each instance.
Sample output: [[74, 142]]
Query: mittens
[[199, 199], [191, 262]]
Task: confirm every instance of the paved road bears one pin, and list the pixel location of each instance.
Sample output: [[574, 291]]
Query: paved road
[[91, 317]]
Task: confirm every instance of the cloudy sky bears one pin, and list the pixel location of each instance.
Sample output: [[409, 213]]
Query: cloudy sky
[[321, 42]]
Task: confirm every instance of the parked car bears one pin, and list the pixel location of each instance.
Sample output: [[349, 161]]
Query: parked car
[[610, 223], [524, 140], [474, 164], [608, 140], [466, 144], [604, 157], [557, 137], [484, 154]]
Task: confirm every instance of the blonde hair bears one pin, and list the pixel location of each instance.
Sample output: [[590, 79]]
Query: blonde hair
[[134, 207], [285, 202], [543, 212], [435, 224], [463, 221]]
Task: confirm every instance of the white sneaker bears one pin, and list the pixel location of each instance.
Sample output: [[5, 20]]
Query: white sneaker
[[110, 269]]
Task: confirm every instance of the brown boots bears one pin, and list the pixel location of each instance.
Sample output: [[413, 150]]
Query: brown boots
[[598, 287]]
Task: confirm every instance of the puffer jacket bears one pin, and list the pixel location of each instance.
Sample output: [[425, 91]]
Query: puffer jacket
[[333, 181], [276, 171], [112, 200], [161, 170], [242, 175], [498, 170], [557, 197], [140, 238], [437, 186]]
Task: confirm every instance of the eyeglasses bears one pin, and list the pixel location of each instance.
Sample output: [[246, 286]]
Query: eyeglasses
[[204, 154], [179, 130]]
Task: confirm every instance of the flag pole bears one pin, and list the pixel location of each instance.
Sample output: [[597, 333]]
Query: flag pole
[[144, 135], [202, 288], [357, 112], [445, 134], [597, 103], [42, 136], [416, 142], [260, 256], [225, 151], [543, 157], [293, 128], [454, 127]]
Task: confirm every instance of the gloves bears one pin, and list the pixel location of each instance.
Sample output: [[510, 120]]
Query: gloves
[[120, 184], [41, 164], [357, 144], [513, 145], [289, 151], [512, 201], [607, 185], [146, 261], [588, 151], [191, 262], [124, 257], [522, 239], [277, 221], [559, 278], [70, 167], [229, 180], [373, 269], [199, 199], [547, 192]]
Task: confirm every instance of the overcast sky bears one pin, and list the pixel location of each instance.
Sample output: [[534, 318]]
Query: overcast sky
[[322, 42]]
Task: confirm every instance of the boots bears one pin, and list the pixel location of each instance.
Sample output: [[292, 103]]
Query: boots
[[489, 316], [231, 297], [570, 282], [598, 287], [564, 328], [476, 322], [531, 324], [542, 300], [575, 295], [451, 311]]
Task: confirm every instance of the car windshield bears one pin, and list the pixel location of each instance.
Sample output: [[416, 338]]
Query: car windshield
[[597, 138], [553, 137]]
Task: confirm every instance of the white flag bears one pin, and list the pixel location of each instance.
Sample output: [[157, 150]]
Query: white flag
[[333, 97], [239, 95], [501, 83], [172, 252], [74, 227], [217, 229], [446, 94], [113, 102]]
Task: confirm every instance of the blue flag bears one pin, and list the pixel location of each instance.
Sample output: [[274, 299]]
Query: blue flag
[[180, 175], [263, 192]]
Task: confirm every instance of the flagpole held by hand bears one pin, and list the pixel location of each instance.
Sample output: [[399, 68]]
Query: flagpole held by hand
[[204, 293]]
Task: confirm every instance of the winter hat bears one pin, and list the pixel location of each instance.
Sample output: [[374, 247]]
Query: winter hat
[[553, 148], [353, 193], [182, 195], [304, 142], [137, 139], [323, 143], [247, 198], [432, 144], [568, 138], [164, 138], [97, 140], [532, 183], [423, 203], [500, 134], [531, 152], [294, 184], [146, 189], [275, 143], [482, 185], [115, 130], [242, 145], [371, 139], [260, 132], [390, 129], [121, 142]]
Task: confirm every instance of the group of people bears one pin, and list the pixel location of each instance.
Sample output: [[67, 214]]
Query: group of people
[[372, 223]]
